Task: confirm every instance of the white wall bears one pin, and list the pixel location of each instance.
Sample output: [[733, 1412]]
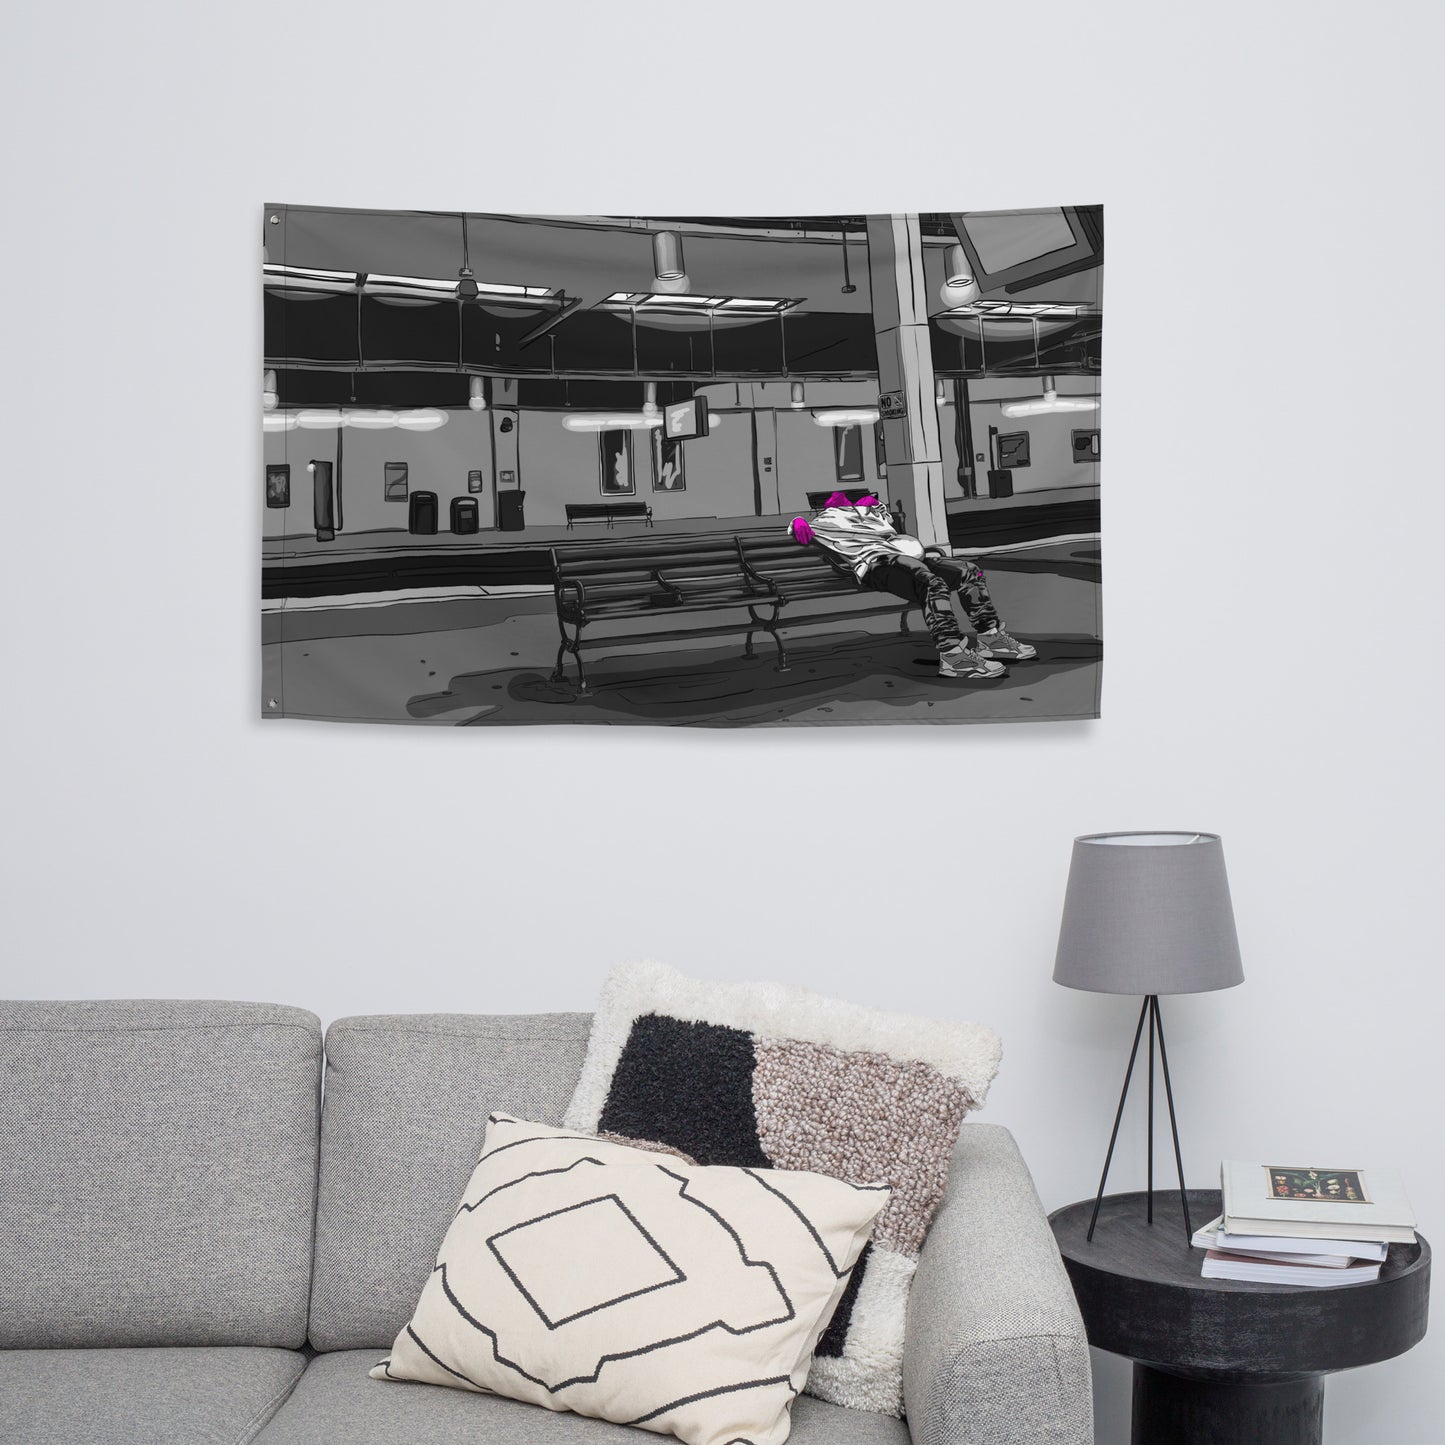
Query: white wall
[[1274, 612]]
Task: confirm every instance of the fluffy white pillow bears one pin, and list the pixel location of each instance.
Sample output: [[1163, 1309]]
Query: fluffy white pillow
[[591, 1276]]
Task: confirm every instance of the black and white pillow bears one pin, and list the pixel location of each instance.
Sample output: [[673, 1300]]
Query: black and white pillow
[[769, 1076], [624, 1284]]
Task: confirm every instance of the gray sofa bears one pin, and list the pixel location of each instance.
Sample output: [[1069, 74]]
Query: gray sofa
[[197, 1246]]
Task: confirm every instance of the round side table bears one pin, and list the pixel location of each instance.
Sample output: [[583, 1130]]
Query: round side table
[[1223, 1362]]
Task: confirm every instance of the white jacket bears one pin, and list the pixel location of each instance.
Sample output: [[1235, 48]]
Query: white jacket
[[861, 535]]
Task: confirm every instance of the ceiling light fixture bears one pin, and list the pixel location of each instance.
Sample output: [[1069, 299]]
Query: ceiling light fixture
[[477, 393], [795, 393], [644, 301], [846, 416], [369, 420], [270, 398], [667, 263], [306, 278], [466, 283], [959, 286], [940, 393], [301, 280], [1042, 310], [644, 420], [1049, 403], [427, 418], [611, 421], [427, 288]]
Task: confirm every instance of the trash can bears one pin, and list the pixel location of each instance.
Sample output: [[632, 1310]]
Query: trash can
[[509, 511], [421, 514], [465, 517], [1001, 484]]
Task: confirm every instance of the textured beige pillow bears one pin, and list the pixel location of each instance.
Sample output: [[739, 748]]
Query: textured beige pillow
[[763, 1075], [585, 1275]]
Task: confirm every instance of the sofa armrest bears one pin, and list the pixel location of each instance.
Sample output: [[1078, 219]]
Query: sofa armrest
[[995, 1351]]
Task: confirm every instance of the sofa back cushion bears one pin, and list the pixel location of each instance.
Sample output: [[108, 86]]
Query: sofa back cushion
[[406, 1105], [157, 1172]]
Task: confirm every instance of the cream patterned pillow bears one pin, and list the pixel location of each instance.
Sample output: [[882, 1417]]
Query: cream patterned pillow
[[590, 1276]]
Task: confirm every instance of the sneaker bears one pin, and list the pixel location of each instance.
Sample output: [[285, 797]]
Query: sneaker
[[999, 644], [962, 661]]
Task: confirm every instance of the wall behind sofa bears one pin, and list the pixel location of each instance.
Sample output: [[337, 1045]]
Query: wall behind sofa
[[1273, 597]]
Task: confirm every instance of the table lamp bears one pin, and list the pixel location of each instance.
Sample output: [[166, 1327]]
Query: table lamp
[[1148, 913]]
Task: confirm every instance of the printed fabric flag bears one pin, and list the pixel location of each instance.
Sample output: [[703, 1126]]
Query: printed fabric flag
[[748, 471]]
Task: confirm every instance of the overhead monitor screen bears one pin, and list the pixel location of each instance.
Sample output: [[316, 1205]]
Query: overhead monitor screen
[[1013, 250], [686, 419], [1004, 240]]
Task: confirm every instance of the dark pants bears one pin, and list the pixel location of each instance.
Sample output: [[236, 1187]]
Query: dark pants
[[927, 582]]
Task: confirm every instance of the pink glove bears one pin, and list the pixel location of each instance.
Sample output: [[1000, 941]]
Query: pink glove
[[802, 532]]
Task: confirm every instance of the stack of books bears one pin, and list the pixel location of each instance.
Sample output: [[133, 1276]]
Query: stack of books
[[1283, 1224]]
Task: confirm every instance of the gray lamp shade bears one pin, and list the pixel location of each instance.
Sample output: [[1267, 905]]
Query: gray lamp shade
[[1148, 913]]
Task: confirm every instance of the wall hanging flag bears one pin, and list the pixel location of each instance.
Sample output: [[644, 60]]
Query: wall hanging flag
[[709, 471]]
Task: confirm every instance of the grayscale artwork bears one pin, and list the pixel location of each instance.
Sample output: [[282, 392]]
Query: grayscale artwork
[[713, 471]]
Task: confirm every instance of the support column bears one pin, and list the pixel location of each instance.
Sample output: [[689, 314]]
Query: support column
[[912, 445], [765, 461], [963, 436], [506, 451]]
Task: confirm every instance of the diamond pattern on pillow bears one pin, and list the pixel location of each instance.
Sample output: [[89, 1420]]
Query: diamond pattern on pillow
[[585, 1275]]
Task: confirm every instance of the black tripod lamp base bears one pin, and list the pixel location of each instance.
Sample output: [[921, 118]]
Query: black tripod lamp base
[[1150, 1012]]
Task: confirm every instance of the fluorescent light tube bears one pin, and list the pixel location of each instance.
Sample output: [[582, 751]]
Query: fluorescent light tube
[[612, 421], [1049, 403]]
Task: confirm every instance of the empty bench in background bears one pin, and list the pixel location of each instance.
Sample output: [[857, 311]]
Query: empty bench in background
[[608, 512], [751, 580]]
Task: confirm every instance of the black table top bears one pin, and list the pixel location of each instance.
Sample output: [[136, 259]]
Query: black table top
[[1141, 1293]]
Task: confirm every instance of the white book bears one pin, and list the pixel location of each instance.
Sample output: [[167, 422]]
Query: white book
[[1274, 1271], [1325, 1253], [1316, 1203]]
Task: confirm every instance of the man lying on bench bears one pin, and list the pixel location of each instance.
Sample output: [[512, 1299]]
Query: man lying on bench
[[862, 535]]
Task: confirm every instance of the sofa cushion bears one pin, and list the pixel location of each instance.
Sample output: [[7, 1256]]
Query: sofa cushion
[[194, 1396], [336, 1401], [157, 1183], [407, 1099]]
